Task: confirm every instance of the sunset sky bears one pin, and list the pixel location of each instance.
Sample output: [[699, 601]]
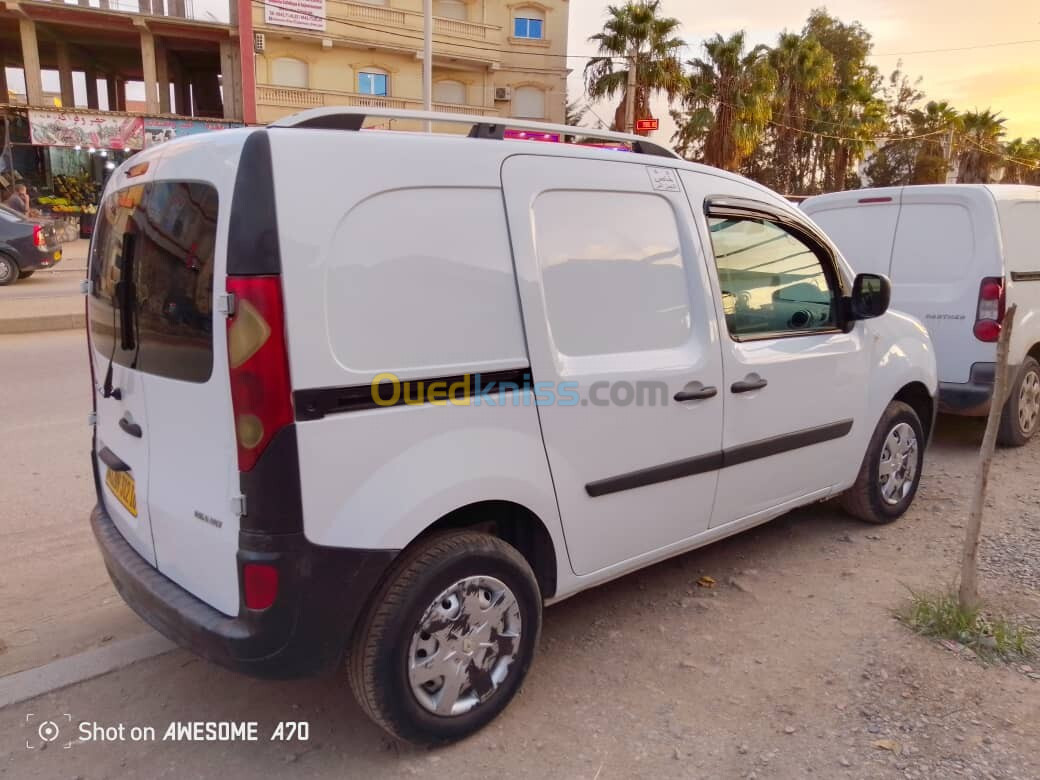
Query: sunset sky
[[1004, 78]]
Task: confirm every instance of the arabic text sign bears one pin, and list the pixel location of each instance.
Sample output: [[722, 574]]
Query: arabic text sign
[[304, 14], [60, 128], [156, 131]]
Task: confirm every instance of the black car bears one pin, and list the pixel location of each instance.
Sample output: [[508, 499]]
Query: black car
[[25, 245]]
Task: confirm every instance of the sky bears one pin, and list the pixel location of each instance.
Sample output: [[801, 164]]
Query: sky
[[1004, 78]]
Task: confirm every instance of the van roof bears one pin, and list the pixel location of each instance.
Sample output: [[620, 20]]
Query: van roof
[[969, 193]]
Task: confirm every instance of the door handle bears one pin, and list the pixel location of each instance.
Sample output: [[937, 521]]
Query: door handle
[[132, 428], [695, 391], [112, 460], [749, 383]]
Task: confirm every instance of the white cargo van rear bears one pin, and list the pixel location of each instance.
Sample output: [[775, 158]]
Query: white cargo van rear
[[958, 256]]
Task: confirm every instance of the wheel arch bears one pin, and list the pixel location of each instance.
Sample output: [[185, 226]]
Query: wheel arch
[[514, 524], [916, 396]]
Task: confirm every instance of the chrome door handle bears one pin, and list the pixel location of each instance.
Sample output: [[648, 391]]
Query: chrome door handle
[[749, 383], [695, 391]]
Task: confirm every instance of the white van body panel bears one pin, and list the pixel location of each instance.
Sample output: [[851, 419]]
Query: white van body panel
[[944, 242]]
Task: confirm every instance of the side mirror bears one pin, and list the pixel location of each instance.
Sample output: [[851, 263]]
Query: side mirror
[[871, 294]]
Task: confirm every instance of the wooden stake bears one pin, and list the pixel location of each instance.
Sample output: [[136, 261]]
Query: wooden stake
[[968, 595]]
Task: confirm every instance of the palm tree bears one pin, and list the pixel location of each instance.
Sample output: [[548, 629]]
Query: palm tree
[[728, 103], [1023, 163], [804, 79], [934, 152], [980, 146], [636, 33]]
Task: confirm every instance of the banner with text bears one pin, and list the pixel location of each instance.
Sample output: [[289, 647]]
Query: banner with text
[[61, 128], [156, 131], [304, 14]]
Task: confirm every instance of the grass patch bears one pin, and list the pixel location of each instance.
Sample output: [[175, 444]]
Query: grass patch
[[991, 637]]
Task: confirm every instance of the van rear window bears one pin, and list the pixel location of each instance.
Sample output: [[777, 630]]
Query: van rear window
[[151, 265]]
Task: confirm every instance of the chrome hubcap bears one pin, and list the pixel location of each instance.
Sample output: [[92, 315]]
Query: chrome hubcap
[[1029, 403], [464, 645], [6, 272], [898, 464]]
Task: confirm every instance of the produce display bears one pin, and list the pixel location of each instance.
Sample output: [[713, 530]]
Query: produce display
[[73, 195]]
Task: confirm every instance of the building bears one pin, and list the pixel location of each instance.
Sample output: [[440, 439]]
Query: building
[[490, 57]]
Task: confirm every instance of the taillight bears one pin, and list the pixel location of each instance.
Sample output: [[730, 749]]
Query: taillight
[[259, 363], [38, 238], [990, 311], [259, 585]]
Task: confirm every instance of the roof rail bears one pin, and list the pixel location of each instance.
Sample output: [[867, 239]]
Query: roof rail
[[353, 118]]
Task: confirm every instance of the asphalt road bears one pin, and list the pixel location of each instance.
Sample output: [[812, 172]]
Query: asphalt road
[[55, 596]]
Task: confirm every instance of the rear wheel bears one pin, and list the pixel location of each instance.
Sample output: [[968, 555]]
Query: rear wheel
[[448, 639], [8, 270], [1021, 416], [891, 470]]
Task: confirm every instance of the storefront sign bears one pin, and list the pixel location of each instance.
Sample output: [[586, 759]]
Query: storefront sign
[[156, 131], [101, 131], [304, 14]]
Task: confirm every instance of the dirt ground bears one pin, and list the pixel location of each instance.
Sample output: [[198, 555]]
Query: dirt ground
[[791, 667]]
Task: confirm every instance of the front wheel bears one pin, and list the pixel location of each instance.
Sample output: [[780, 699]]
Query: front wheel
[[1021, 415], [448, 639], [891, 470]]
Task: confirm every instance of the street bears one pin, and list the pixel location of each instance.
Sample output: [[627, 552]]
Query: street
[[790, 666]]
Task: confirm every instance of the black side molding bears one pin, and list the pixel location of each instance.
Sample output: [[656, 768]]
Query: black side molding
[[253, 247], [719, 460], [1025, 276]]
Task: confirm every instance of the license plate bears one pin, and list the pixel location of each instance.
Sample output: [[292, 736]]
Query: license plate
[[57, 256], [122, 486]]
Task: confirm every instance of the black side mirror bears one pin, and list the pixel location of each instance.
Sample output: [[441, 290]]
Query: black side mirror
[[871, 294]]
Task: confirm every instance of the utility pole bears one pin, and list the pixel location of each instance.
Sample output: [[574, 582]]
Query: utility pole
[[630, 96], [427, 63]]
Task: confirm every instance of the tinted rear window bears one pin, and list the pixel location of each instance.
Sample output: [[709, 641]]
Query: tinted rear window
[[158, 238]]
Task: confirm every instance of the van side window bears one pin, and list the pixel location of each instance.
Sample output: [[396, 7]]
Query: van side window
[[174, 229], [612, 271], [772, 280]]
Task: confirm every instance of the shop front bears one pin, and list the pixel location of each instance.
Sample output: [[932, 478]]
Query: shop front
[[65, 157]]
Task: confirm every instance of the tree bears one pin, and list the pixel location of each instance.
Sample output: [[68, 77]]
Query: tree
[[1023, 163], [728, 102], [804, 73], [636, 32], [979, 142]]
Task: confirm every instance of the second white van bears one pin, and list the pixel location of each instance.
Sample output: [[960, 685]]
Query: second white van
[[958, 256]]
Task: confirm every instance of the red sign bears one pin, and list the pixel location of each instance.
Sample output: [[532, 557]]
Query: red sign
[[644, 125]]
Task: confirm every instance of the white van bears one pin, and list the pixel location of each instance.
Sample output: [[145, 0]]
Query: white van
[[373, 398], [958, 256]]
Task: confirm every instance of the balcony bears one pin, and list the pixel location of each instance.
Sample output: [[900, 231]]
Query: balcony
[[300, 99], [169, 9], [397, 18]]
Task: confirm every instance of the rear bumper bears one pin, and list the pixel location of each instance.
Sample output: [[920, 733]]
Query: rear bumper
[[321, 594], [36, 260], [970, 398]]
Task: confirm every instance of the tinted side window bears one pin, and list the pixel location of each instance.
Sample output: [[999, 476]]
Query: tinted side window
[[160, 237], [772, 280]]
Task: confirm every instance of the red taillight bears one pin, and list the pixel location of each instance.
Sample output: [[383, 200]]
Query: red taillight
[[260, 585], [38, 238], [990, 311], [259, 363]]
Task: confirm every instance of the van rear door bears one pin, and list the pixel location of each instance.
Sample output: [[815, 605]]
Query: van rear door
[[122, 450], [862, 225]]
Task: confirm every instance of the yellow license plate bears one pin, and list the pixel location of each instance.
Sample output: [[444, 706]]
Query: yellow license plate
[[57, 255], [122, 486]]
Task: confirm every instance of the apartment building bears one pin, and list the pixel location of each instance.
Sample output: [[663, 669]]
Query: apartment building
[[490, 57]]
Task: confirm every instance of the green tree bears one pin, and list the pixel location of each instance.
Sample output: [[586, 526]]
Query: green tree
[[804, 73], [728, 103], [636, 32], [939, 122], [979, 144], [1023, 163]]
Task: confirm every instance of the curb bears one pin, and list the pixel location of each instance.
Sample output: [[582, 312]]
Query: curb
[[42, 323], [22, 686]]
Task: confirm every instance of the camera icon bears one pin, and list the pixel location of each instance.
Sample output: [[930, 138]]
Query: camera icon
[[48, 731]]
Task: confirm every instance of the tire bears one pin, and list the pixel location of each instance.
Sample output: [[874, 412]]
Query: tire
[[868, 499], [25, 274], [1021, 416], [425, 590], [8, 270]]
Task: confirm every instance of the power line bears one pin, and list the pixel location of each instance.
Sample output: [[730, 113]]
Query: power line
[[957, 48]]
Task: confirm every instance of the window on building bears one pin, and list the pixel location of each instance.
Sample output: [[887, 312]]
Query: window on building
[[529, 103], [450, 9], [449, 91], [528, 23], [289, 72], [373, 81]]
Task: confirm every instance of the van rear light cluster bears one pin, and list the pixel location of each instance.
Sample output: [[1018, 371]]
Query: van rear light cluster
[[39, 239], [259, 585], [990, 312], [259, 363]]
